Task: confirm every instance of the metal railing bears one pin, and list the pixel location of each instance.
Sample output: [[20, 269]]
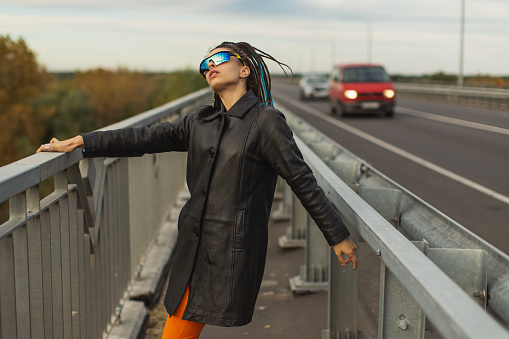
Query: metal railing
[[472, 96], [67, 260], [413, 283]]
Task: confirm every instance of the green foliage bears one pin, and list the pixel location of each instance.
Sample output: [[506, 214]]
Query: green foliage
[[22, 80], [443, 77], [170, 86], [36, 106]]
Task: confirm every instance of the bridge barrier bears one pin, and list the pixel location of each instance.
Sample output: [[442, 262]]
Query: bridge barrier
[[69, 260], [472, 96], [67, 263], [388, 218]]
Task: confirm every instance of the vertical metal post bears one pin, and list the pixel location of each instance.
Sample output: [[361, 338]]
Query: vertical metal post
[[370, 41], [284, 209], [399, 315], [35, 260], [56, 270], [342, 299], [462, 38], [314, 274], [46, 272], [295, 233], [7, 285]]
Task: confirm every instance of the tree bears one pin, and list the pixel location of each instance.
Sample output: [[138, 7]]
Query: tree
[[114, 95], [21, 81], [443, 77]]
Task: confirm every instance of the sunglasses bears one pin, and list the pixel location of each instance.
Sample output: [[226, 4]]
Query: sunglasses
[[218, 59]]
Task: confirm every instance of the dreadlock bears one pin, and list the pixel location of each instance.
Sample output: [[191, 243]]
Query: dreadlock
[[259, 78]]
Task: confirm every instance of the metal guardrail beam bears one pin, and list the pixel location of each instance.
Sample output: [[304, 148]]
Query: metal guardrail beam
[[489, 93], [416, 218], [452, 312], [475, 96]]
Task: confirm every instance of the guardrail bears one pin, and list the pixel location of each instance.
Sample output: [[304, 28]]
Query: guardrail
[[412, 286], [473, 96], [67, 260]]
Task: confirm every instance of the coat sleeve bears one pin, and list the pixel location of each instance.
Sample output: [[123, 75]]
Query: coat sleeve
[[281, 152], [134, 142]]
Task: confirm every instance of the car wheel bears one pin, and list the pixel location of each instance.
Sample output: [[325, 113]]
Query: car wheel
[[332, 106], [389, 114], [341, 109]]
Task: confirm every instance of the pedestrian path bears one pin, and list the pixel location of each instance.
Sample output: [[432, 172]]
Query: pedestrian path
[[279, 313]]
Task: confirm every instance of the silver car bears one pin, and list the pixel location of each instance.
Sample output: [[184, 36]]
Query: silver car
[[314, 86]]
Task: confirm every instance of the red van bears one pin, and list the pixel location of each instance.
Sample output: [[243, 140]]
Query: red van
[[361, 88]]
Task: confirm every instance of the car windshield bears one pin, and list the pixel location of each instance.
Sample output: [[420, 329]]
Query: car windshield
[[316, 80], [365, 74]]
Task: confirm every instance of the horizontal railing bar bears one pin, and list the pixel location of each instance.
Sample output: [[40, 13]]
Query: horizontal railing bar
[[16, 178], [448, 307], [30, 171], [11, 225], [154, 115], [491, 93], [25, 173]]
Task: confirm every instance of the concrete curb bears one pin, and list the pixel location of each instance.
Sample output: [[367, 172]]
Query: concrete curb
[[132, 321]]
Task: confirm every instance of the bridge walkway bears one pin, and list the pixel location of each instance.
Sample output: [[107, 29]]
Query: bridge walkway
[[282, 314]]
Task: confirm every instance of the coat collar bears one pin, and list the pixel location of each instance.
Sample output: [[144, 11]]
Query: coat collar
[[243, 105], [238, 110], [206, 112]]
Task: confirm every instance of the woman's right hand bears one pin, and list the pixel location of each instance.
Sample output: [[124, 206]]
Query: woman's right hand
[[67, 146]]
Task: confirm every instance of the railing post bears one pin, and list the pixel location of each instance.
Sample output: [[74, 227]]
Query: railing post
[[295, 233], [7, 286], [35, 260], [401, 317], [314, 274], [342, 297], [284, 209]]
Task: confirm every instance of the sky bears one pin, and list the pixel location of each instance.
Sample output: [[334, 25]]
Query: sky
[[407, 37]]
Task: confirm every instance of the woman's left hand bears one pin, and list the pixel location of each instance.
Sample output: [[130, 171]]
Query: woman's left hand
[[348, 248]]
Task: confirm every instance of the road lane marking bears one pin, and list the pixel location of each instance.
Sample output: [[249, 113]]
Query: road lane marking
[[452, 121], [451, 175]]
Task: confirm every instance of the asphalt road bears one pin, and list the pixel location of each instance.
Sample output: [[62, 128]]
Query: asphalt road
[[462, 152]]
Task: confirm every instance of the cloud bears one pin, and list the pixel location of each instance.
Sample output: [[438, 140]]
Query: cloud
[[406, 35]]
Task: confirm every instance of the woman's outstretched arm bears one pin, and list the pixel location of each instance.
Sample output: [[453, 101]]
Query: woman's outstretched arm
[[67, 146]]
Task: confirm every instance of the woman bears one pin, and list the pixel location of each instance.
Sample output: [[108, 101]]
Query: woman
[[236, 149]]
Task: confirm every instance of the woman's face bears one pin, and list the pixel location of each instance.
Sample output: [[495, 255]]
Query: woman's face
[[225, 75]]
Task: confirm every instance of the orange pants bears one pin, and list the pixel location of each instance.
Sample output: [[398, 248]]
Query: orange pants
[[177, 328]]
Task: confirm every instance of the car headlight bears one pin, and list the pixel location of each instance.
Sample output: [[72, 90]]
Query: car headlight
[[308, 89], [388, 93], [350, 94]]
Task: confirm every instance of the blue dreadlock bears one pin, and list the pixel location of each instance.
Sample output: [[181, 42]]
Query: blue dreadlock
[[259, 80]]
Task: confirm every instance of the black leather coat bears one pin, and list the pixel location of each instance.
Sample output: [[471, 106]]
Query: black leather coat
[[234, 159]]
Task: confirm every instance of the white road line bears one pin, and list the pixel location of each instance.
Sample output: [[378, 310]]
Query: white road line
[[397, 150], [451, 121]]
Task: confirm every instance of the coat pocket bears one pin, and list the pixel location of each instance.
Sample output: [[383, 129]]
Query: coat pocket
[[239, 230]]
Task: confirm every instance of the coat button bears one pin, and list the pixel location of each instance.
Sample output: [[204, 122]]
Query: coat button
[[195, 232], [212, 152], [203, 191]]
